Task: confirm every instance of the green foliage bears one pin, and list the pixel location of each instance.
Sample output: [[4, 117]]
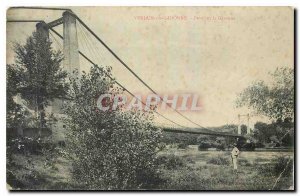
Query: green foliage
[[279, 133], [109, 150], [275, 101], [28, 145], [179, 138], [28, 162], [15, 113], [205, 142], [220, 176], [36, 76], [220, 143]]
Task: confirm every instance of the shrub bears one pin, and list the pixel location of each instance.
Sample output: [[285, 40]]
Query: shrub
[[220, 143], [204, 142], [110, 150], [220, 146], [204, 145], [259, 145], [28, 145], [248, 147]]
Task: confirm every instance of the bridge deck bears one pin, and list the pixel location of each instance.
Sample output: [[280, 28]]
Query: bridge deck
[[200, 132]]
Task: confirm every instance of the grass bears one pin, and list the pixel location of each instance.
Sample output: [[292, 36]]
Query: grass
[[212, 170], [33, 172], [179, 170]]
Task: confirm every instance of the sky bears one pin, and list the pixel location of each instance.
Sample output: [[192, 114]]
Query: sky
[[213, 52]]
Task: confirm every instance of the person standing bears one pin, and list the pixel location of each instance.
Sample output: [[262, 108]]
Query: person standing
[[234, 155]]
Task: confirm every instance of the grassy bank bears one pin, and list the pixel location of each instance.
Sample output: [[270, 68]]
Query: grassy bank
[[179, 170], [213, 171]]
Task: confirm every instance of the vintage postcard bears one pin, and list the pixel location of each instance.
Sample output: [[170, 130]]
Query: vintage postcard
[[150, 98]]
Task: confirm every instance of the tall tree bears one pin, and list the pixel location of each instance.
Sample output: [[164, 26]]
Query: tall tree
[[275, 101], [37, 75]]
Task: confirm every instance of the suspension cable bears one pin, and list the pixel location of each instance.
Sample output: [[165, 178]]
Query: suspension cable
[[123, 87], [130, 70]]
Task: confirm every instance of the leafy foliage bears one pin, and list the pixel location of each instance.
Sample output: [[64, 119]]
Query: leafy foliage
[[15, 113], [275, 101], [203, 141], [110, 150], [278, 133], [36, 75]]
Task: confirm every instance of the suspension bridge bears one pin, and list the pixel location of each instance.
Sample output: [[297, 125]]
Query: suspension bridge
[[73, 29]]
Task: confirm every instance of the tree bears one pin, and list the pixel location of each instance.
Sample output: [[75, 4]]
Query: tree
[[220, 143], [205, 141], [37, 75], [112, 149], [262, 132], [277, 132], [275, 101], [14, 112]]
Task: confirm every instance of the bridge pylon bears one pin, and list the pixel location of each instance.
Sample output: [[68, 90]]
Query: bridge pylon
[[71, 55], [240, 123]]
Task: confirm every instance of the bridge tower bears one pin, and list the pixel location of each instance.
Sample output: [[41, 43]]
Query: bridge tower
[[70, 62], [240, 123], [71, 55], [70, 42], [43, 29]]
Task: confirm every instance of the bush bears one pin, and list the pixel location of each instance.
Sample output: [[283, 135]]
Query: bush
[[204, 145], [204, 142], [113, 149], [28, 145], [220, 143], [114, 159], [248, 147], [218, 161], [259, 145], [220, 147]]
